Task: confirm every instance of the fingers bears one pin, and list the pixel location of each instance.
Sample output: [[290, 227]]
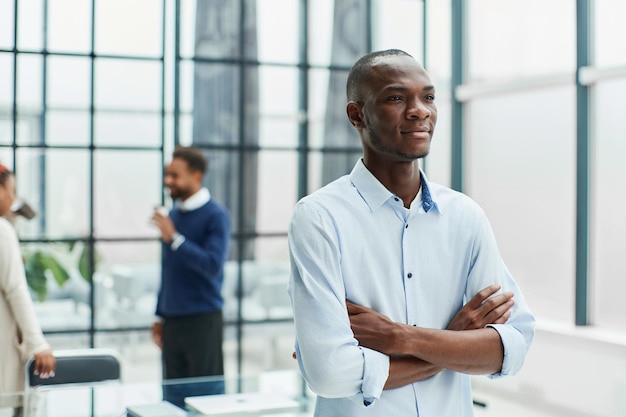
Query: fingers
[[483, 295], [497, 301], [355, 308], [156, 333], [501, 313], [45, 364]]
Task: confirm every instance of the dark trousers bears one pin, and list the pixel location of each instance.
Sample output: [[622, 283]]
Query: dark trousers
[[192, 347]]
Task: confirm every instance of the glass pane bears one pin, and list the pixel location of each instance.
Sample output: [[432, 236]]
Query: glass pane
[[168, 134], [29, 99], [437, 164], [67, 127], [30, 25], [117, 23], [217, 28], [337, 31], [223, 179], [28, 127], [6, 98], [278, 131], [187, 91], [438, 39], [188, 26], [328, 124], [230, 290], [268, 346], [399, 25], [29, 83], [273, 250], [278, 188], [127, 129], [6, 82], [264, 282], [328, 166], [216, 107], [69, 82], [277, 29], [61, 300], [7, 24], [127, 187], [284, 103], [509, 39], [265, 295], [6, 157], [318, 93], [609, 29], [279, 112], [141, 358], [320, 18], [128, 84], [185, 130], [609, 225], [68, 341], [69, 26], [523, 175], [6, 131], [55, 182], [128, 276]]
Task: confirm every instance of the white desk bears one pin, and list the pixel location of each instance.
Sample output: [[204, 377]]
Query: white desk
[[112, 399]]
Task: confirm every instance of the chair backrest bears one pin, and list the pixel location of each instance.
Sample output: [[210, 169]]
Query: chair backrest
[[78, 366]]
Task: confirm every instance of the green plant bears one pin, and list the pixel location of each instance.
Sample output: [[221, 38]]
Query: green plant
[[54, 261]]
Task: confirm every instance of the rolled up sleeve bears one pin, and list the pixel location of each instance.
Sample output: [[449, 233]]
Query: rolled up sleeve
[[375, 374], [330, 359], [516, 335]]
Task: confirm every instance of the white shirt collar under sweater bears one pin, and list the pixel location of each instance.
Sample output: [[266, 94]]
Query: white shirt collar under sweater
[[197, 200]]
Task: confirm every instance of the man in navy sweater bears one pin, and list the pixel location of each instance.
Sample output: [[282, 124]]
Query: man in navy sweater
[[195, 243]]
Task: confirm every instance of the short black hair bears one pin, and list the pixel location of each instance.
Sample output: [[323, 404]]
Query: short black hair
[[5, 173], [361, 69], [193, 156]]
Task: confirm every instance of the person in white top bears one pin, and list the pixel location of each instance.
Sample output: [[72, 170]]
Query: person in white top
[[22, 337]]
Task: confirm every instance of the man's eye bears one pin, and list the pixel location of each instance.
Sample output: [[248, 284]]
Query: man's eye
[[430, 97], [395, 98]]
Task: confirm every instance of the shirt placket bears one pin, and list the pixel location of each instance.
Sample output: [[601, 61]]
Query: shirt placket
[[409, 269]]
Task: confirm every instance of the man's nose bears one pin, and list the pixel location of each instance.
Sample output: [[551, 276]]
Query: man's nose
[[417, 110]]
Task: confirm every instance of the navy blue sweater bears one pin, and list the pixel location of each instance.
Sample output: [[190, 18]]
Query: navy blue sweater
[[192, 275]]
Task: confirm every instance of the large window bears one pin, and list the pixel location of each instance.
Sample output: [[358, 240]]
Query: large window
[[95, 95], [519, 136], [608, 264]]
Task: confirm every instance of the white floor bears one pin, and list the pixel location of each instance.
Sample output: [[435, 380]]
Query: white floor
[[497, 406]]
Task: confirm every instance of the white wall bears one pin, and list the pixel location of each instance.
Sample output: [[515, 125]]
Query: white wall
[[569, 371]]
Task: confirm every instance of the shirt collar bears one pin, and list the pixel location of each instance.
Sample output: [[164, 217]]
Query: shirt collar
[[197, 200], [374, 192]]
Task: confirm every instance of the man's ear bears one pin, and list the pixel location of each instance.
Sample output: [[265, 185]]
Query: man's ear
[[355, 115], [197, 175]]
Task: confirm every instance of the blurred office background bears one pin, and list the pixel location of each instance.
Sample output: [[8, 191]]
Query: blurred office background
[[94, 95]]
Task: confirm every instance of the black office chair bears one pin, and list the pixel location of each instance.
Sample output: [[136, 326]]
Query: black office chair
[[84, 369], [79, 366]]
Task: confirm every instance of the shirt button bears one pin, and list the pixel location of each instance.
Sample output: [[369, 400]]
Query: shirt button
[[406, 226], [409, 275], [396, 198]]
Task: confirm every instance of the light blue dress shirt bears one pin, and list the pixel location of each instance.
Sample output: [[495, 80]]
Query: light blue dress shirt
[[353, 239]]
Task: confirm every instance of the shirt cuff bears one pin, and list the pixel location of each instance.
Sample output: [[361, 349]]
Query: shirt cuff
[[375, 374], [514, 350], [177, 240]]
